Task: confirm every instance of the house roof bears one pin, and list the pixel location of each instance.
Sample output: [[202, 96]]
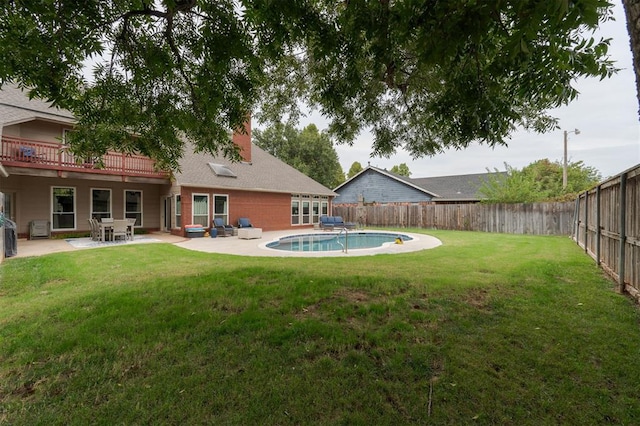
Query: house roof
[[264, 173], [441, 188], [16, 107], [455, 187], [405, 180]]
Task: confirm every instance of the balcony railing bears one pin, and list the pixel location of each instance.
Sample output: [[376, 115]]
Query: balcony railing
[[19, 152]]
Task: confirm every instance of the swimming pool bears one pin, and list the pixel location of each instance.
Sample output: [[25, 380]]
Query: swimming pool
[[336, 241]]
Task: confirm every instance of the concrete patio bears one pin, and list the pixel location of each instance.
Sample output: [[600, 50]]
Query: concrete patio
[[235, 245]]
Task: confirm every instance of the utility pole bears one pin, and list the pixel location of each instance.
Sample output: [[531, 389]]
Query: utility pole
[[564, 164]]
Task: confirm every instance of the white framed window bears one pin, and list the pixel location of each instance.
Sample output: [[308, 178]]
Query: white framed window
[[178, 211], [315, 211], [295, 210], [306, 210], [221, 207], [133, 205], [63, 208], [100, 203], [200, 210]]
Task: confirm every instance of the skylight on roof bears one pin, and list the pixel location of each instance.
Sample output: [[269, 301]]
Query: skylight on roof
[[221, 170]]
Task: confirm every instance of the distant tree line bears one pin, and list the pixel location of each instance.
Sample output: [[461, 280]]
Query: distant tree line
[[539, 181], [399, 169], [308, 150]]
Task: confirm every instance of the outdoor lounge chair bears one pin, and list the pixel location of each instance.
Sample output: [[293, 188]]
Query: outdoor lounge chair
[[338, 222], [326, 223], [223, 230], [244, 222]]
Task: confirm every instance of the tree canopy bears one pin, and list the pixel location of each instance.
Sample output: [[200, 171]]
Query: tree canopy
[[632, 13], [401, 169], [422, 75], [308, 150], [539, 181], [355, 168]]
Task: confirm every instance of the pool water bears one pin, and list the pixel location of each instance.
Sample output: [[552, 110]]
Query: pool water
[[336, 242]]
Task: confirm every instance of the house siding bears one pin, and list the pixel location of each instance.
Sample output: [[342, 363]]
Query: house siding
[[375, 187], [36, 130], [33, 200], [261, 191], [267, 210]]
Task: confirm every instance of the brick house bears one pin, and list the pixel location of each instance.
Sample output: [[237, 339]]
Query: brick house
[[43, 182]]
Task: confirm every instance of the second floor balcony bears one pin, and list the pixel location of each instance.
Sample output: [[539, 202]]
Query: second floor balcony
[[27, 153]]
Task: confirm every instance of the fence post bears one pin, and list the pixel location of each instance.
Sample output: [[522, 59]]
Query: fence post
[[586, 221], [623, 231], [598, 232], [576, 221]]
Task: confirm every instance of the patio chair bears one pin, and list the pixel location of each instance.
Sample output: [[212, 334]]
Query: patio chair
[[327, 223], [223, 229], [107, 229], [244, 222], [94, 226], [340, 223], [26, 153], [130, 228], [120, 229], [97, 228]]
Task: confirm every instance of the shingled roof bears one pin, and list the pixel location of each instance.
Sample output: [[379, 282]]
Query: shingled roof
[[446, 188], [404, 179], [264, 173], [16, 107], [455, 187]]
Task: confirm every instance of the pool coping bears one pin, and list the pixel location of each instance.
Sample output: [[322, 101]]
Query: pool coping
[[256, 247]]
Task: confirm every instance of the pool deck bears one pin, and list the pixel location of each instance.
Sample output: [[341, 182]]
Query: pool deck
[[236, 246], [233, 245]]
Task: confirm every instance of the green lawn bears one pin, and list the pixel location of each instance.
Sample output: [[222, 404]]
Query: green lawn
[[486, 329]]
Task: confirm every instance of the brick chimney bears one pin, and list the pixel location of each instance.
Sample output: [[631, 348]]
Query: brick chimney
[[243, 140]]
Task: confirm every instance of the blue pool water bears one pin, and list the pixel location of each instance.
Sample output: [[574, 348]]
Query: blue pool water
[[335, 242]]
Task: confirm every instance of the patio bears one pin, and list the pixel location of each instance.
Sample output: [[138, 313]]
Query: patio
[[228, 245], [41, 247]]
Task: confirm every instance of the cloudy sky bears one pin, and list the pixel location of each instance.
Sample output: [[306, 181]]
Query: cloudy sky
[[605, 113]]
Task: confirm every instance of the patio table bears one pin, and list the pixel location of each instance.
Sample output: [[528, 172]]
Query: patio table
[[105, 226]]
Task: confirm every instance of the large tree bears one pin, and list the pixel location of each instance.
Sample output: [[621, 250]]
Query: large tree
[[423, 75], [401, 169], [539, 181], [308, 150], [632, 13], [355, 168]]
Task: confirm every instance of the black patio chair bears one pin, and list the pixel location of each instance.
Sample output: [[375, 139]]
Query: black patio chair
[[223, 229]]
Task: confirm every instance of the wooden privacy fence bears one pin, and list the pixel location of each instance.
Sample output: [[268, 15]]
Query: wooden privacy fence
[[607, 226], [530, 218]]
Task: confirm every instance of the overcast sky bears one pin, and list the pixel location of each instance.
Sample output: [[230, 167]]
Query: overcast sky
[[605, 113]]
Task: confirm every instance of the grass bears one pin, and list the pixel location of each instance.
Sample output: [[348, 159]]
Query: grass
[[486, 329]]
